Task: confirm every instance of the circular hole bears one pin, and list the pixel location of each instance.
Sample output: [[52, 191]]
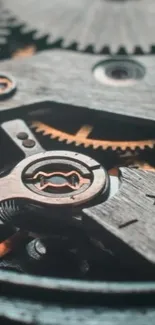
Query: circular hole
[[3, 85], [7, 86], [117, 72]]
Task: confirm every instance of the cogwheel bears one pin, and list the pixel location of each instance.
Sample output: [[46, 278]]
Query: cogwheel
[[21, 44], [89, 24], [8, 209], [5, 21], [11, 39], [81, 138], [14, 42]]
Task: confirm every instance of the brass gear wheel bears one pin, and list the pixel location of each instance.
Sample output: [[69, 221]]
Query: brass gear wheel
[[81, 138]]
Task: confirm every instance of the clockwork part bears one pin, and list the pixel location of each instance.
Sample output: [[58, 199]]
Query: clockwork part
[[64, 178]]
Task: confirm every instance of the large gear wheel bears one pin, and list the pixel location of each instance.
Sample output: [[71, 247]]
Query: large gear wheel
[[81, 138], [89, 24], [5, 21]]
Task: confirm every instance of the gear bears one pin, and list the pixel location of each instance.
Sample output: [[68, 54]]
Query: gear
[[13, 43], [89, 24], [21, 44], [7, 210], [81, 138], [5, 21]]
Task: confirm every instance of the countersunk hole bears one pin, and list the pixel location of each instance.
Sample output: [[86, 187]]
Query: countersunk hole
[[7, 86], [119, 72]]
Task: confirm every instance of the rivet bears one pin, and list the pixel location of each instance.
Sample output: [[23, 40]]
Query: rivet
[[28, 143], [22, 135]]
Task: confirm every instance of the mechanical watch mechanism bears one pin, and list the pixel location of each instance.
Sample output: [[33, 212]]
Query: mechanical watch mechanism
[[100, 26], [57, 165], [46, 189], [114, 143], [61, 167], [24, 35]]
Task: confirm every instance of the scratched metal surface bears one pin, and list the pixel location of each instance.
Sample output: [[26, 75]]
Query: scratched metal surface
[[70, 81]]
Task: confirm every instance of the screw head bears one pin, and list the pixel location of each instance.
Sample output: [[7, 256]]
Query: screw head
[[28, 143], [22, 135], [40, 247], [36, 250]]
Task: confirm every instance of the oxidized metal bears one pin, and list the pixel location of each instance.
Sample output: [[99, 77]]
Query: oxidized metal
[[95, 179], [72, 179], [7, 86]]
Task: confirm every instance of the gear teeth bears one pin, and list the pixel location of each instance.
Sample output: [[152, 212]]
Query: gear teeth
[[8, 209], [88, 23], [88, 142], [38, 35], [68, 141], [16, 24], [61, 41], [4, 29], [4, 32]]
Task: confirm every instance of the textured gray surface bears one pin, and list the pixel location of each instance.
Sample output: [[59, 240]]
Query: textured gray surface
[[87, 22], [132, 202], [67, 78]]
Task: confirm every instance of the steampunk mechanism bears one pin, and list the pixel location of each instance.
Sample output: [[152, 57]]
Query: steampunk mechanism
[[61, 182], [77, 155]]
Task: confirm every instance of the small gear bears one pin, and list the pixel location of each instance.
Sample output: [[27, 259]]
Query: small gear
[[7, 210], [81, 138], [89, 24]]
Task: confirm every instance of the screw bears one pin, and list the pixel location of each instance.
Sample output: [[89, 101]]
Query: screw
[[28, 143], [40, 248], [36, 249], [22, 135]]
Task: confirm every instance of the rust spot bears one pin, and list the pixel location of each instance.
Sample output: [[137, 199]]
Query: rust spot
[[24, 52]]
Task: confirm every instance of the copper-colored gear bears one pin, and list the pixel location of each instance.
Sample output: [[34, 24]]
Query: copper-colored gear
[[24, 52], [81, 138]]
